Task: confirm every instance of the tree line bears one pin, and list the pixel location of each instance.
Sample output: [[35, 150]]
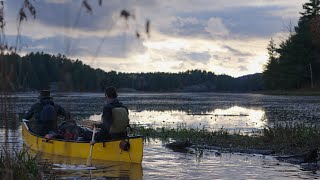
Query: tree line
[[36, 71], [295, 62]]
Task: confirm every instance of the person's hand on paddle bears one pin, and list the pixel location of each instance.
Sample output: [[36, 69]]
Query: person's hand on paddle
[[96, 125], [92, 142]]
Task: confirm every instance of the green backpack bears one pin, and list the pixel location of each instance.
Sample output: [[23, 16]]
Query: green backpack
[[120, 117]]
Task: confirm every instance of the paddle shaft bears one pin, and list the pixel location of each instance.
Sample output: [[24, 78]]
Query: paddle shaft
[[92, 139]]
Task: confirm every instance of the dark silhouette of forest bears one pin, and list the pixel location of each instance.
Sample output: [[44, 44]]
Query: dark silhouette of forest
[[37, 71]]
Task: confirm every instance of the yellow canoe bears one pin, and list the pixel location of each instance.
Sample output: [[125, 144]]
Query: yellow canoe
[[106, 150]]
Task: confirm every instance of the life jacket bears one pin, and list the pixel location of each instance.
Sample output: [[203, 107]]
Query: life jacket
[[48, 118], [120, 117]]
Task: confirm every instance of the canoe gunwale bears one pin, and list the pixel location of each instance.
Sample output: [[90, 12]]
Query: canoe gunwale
[[63, 140]]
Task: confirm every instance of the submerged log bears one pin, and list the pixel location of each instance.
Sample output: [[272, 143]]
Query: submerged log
[[179, 146], [237, 150], [309, 166], [310, 157], [257, 151]]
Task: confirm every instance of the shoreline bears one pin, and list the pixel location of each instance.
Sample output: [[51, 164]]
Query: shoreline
[[290, 93], [274, 93]]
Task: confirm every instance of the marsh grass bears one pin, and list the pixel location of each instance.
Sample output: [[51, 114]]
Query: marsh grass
[[287, 138], [19, 165], [292, 137]]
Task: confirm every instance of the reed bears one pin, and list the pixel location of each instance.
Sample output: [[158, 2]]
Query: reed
[[284, 138], [291, 137], [19, 165]]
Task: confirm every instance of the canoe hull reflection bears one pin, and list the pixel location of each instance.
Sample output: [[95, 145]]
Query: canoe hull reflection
[[104, 169]]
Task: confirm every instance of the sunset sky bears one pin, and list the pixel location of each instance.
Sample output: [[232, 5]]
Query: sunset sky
[[223, 36]]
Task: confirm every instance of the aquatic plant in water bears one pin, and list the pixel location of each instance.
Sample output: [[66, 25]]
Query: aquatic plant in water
[[280, 138], [19, 165]]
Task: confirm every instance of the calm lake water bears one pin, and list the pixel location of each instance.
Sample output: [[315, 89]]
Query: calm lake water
[[235, 112]]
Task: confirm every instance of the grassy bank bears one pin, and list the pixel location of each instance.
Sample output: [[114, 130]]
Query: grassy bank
[[19, 165], [282, 139]]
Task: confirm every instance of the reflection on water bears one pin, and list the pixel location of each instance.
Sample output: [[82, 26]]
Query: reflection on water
[[10, 139], [10, 131], [76, 167], [241, 117], [161, 163], [230, 111], [234, 118]]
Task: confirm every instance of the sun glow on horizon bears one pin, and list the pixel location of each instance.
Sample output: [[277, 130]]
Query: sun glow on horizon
[[164, 53]]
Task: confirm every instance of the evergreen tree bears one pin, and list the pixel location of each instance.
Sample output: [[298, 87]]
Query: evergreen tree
[[271, 71], [297, 62], [312, 9]]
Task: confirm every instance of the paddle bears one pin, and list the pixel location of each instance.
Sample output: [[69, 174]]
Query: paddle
[[91, 145]]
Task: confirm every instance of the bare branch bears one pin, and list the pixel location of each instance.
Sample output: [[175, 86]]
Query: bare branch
[[87, 6], [2, 22], [148, 28], [289, 28], [125, 14], [22, 15], [137, 34]]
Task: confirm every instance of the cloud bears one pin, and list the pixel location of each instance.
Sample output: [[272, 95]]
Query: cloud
[[243, 68], [189, 53], [57, 1], [216, 27], [188, 26], [198, 57], [69, 19], [237, 52], [220, 36]]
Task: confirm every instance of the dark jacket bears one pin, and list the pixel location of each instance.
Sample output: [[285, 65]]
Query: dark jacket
[[40, 126], [107, 120]]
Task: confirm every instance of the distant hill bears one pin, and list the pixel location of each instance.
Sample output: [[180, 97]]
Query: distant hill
[[37, 71], [252, 82]]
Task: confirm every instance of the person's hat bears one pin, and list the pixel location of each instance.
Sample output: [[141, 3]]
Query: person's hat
[[45, 94], [111, 92]]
